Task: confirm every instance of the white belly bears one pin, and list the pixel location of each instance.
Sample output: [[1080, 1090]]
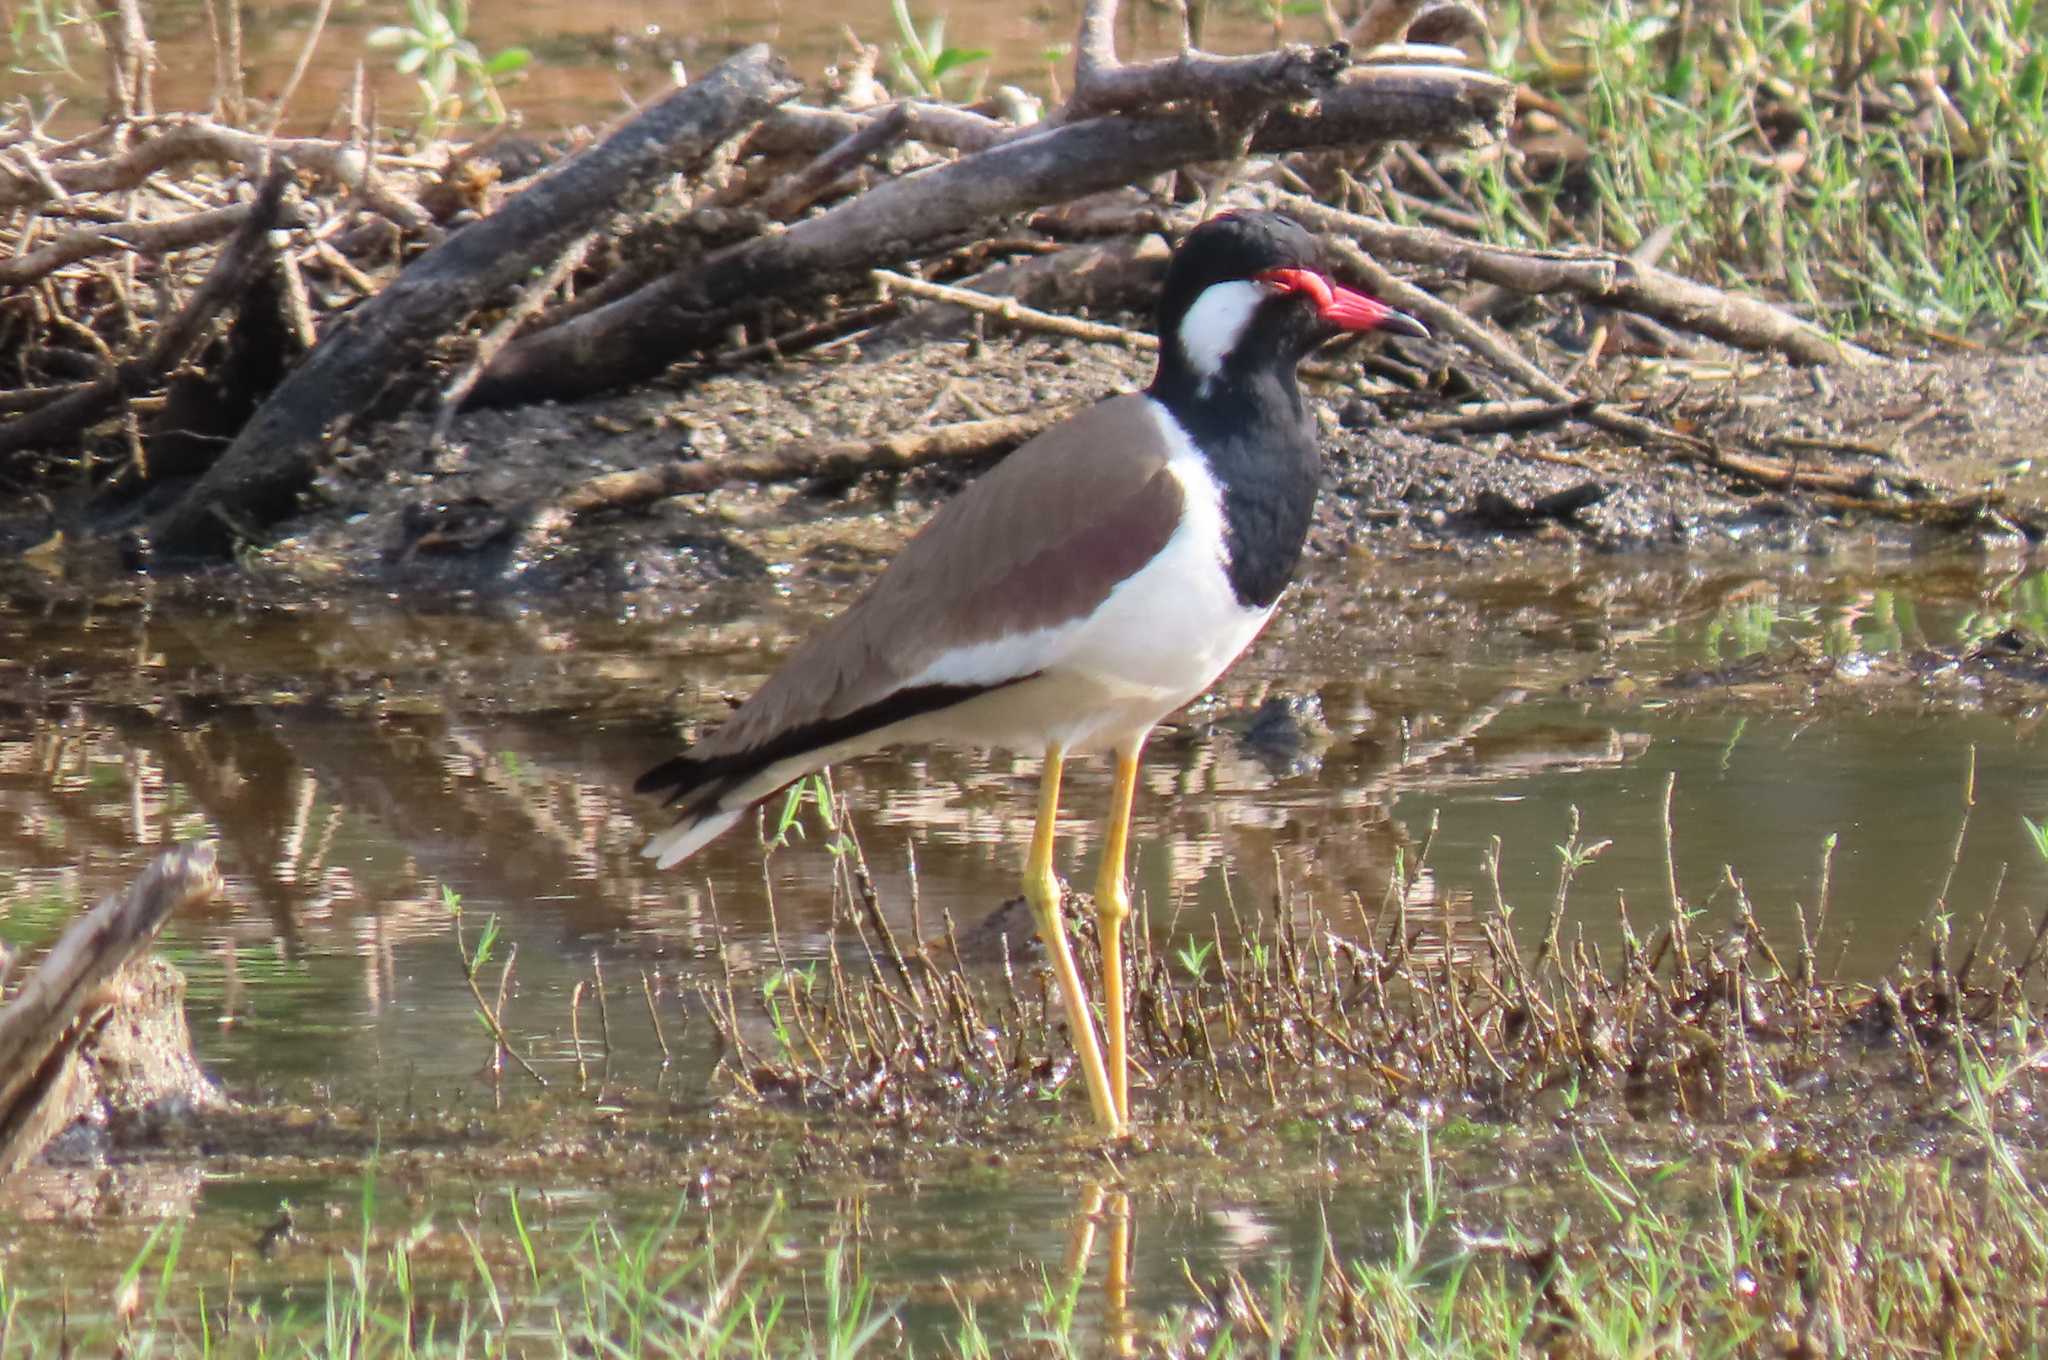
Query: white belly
[[1161, 637]]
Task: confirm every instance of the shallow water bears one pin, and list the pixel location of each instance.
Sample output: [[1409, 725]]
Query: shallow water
[[357, 760], [591, 61]]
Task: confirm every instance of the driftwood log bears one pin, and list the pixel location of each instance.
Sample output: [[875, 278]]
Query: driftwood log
[[58, 1014], [282, 448]]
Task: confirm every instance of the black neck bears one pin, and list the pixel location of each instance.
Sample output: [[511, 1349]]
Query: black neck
[[1250, 425]]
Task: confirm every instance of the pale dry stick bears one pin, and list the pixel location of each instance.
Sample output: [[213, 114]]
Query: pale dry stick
[[339, 264], [654, 1016], [504, 986], [298, 303], [1616, 282], [1014, 312], [1671, 861], [831, 459], [1955, 854], [1444, 319], [170, 188], [837, 329], [144, 238], [576, 1034], [291, 84], [804, 129], [529, 302], [924, 950], [1572, 856], [224, 27], [1501, 417], [176, 140], [604, 1009], [24, 161], [1494, 345], [1827, 866], [1009, 309], [131, 62]]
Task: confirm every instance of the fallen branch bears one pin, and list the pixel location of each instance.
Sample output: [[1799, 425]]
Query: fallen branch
[[140, 238], [530, 299], [1791, 475], [1383, 21], [803, 129], [803, 188], [1016, 313], [1286, 75], [283, 447], [1500, 417], [1612, 280], [793, 462], [171, 141], [244, 257], [57, 1008], [641, 334]]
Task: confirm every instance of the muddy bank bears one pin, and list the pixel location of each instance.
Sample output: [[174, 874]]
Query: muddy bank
[[1942, 446]]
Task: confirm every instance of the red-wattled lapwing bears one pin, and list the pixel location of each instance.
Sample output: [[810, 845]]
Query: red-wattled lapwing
[[1098, 579]]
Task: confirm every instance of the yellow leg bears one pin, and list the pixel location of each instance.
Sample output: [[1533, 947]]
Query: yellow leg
[[1042, 890], [1112, 907], [1116, 1279]]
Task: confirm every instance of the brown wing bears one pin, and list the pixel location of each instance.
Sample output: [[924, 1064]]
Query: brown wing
[[1040, 540]]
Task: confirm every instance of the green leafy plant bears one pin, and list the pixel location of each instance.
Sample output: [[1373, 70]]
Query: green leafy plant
[[2021, 605], [435, 49], [923, 61], [38, 36]]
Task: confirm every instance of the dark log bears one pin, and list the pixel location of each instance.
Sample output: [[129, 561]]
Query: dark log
[[639, 335], [281, 450]]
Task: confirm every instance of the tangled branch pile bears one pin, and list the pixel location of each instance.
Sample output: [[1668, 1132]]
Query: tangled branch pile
[[201, 313]]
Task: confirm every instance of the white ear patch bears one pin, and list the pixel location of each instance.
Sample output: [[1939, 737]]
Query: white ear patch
[[1214, 325]]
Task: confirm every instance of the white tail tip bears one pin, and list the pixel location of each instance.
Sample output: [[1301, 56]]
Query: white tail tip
[[688, 836]]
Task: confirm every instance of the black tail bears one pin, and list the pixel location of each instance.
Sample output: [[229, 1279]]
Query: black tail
[[711, 776]]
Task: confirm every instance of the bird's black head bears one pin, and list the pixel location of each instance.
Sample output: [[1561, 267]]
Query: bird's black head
[[1247, 293]]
